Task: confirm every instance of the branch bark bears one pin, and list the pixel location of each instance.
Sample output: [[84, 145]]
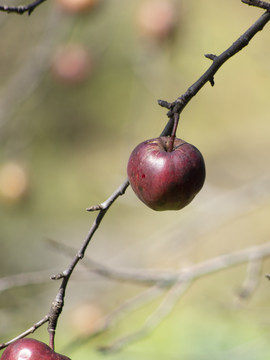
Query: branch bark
[[22, 8], [177, 106]]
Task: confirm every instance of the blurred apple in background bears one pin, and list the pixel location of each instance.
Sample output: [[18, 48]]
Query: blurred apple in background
[[14, 182], [157, 18], [77, 6], [71, 64], [86, 318]]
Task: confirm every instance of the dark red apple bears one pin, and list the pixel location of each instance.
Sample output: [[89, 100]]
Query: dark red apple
[[163, 179], [30, 349]]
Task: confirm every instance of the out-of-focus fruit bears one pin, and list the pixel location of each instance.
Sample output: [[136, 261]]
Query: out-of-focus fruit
[[157, 18], [164, 178], [71, 64], [30, 349], [14, 182], [87, 318], [77, 6]]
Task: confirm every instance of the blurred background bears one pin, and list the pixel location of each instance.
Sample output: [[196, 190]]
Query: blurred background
[[80, 80]]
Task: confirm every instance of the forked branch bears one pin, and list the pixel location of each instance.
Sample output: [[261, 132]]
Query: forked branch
[[177, 106]]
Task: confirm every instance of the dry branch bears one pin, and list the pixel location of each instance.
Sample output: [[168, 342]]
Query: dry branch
[[21, 9], [177, 106]]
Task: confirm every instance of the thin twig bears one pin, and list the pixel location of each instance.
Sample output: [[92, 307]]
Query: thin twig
[[27, 332], [251, 282], [23, 279], [21, 9], [115, 316], [166, 279], [257, 3], [217, 61], [58, 302], [151, 323]]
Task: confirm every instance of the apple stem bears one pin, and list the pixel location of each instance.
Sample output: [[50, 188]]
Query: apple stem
[[51, 339], [173, 134]]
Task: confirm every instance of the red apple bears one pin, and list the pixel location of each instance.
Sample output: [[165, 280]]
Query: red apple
[[157, 18], [77, 6], [163, 179], [30, 349]]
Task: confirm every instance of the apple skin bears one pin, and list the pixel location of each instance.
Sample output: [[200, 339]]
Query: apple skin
[[166, 180], [30, 349]]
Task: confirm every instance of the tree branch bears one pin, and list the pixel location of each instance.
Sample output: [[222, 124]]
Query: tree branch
[[21, 9], [179, 104], [179, 282], [27, 332], [162, 311], [58, 303], [257, 3]]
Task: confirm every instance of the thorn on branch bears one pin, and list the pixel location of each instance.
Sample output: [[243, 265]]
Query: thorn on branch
[[212, 81], [165, 104], [59, 276], [211, 56], [95, 208], [252, 279]]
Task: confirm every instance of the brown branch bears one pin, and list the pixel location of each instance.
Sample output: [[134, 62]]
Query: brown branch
[[58, 302], [217, 61], [257, 3], [27, 332], [21, 9]]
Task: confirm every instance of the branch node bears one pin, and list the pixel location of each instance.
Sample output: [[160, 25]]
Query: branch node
[[212, 81], [210, 56], [59, 276], [165, 104], [95, 208]]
